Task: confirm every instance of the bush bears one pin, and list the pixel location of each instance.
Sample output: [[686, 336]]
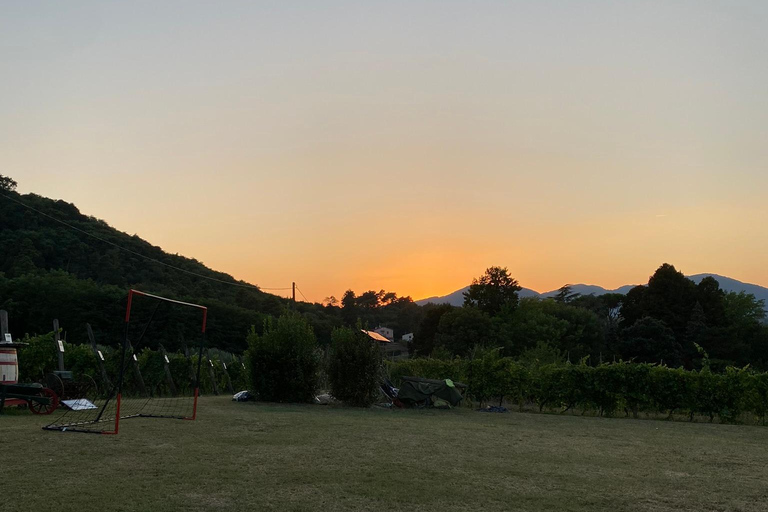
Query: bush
[[486, 374], [354, 367], [428, 368], [37, 358], [284, 361]]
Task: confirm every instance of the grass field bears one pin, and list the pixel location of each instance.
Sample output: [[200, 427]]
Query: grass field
[[292, 457]]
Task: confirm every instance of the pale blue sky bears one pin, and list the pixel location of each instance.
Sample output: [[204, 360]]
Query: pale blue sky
[[570, 141]]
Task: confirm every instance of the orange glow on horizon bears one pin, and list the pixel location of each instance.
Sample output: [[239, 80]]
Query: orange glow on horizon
[[356, 146]]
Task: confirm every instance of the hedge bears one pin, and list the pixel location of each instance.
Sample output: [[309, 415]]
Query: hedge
[[606, 389]]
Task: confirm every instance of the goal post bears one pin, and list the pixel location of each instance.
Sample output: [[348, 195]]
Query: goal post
[[204, 310], [102, 414]]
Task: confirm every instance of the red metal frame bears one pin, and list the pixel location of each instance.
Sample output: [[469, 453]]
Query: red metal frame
[[194, 406], [117, 414], [131, 293]]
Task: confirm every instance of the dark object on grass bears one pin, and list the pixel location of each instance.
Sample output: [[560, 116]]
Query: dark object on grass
[[325, 399], [418, 392], [243, 396], [494, 408]]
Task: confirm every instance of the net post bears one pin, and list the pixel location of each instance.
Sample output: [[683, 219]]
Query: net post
[[128, 306], [194, 406], [117, 417]]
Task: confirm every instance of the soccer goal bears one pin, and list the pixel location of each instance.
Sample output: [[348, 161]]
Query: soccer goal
[[133, 395]]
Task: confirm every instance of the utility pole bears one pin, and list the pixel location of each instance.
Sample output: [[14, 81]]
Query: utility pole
[[293, 293]]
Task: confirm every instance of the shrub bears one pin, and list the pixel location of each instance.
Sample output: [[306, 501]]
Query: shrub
[[607, 388], [634, 385], [757, 395], [354, 367], [515, 382], [37, 358], [487, 377], [284, 361], [671, 389], [428, 368]]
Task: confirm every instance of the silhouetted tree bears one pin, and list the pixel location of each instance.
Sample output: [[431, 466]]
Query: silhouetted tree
[[493, 291], [650, 341], [462, 329], [565, 294], [8, 184], [424, 337]]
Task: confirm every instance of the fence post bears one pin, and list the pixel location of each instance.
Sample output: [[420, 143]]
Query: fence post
[[192, 376], [99, 356], [3, 324], [229, 379], [59, 345], [213, 377], [168, 375], [137, 372]]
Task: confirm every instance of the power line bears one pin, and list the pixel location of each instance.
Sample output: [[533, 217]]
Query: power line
[[202, 276], [302, 294]]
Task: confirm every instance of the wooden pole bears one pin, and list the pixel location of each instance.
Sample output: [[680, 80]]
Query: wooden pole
[[229, 379], [293, 292], [59, 345], [213, 377], [3, 325], [168, 375], [192, 376], [99, 357], [137, 372]]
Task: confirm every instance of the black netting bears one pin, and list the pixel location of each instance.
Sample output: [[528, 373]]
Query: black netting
[[146, 383]]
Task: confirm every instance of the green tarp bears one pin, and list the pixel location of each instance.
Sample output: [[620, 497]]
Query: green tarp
[[414, 390]]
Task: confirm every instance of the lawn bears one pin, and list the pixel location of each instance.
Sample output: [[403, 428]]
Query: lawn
[[292, 457]]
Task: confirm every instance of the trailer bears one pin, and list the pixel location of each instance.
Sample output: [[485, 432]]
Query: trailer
[[39, 399]]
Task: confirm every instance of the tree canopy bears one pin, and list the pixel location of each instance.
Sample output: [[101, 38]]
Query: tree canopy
[[493, 291], [7, 184]]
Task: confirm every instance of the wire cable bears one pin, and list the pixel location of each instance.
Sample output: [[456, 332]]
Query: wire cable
[[302, 294], [202, 276]]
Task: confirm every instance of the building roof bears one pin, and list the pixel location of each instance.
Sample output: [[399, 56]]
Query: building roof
[[376, 336]]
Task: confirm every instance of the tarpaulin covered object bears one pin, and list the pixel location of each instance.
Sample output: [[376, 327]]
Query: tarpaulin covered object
[[414, 390]]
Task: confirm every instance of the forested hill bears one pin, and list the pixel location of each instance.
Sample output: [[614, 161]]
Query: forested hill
[[32, 241], [51, 270]]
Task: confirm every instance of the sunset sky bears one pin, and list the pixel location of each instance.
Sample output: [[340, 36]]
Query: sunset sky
[[403, 146]]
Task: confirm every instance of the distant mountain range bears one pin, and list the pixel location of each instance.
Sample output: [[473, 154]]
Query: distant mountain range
[[726, 283]]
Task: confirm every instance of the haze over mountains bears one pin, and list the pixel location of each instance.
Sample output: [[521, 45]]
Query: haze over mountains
[[726, 283]]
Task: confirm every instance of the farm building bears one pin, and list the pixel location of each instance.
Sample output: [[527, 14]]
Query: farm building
[[392, 350], [386, 332]]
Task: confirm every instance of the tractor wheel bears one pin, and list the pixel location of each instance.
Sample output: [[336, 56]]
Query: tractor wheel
[[54, 383]]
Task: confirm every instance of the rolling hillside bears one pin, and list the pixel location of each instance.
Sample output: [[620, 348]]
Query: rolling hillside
[[58, 263]]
